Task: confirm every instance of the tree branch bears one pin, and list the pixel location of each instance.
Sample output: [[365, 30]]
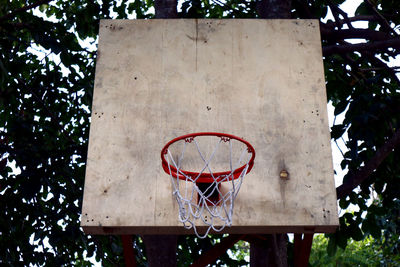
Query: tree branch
[[372, 46], [22, 9], [382, 64], [359, 18], [379, 68], [336, 11], [354, 33], [380, 155], [385, 24]]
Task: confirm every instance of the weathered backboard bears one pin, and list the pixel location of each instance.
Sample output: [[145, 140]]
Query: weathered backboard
[[262, 80]]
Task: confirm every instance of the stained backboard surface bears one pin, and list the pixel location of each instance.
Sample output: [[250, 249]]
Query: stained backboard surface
[[262, 80]]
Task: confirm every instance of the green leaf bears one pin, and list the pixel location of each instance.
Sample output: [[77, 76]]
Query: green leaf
[[341, 239], [362, 9], [343, 203], [372, 25], [332, 246], [356, 233], [43, 7], [344, 164], [374, 230], [340, 107], [38, 235], [337, 131]]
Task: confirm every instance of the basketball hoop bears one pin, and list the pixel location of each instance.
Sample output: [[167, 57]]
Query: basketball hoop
[[206, 197]]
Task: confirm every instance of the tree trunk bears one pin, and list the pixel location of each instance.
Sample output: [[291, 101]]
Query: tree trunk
[[166, 9], [161, 250], [274, 9], [272, 253]]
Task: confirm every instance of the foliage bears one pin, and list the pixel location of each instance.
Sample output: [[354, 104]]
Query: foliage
[[241, 250], [45, 97], [367, 252], [46, 83]]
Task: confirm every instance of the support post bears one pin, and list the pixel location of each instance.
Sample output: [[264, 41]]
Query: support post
[[129, 252], [161, 250], [302, 249], [268, 250]]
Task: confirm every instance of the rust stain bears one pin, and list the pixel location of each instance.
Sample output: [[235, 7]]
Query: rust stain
[[197, 36]]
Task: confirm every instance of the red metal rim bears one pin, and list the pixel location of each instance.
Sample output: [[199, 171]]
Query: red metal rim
[[206, 177]]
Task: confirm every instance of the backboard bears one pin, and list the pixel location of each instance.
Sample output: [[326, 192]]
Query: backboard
[[261, 80]]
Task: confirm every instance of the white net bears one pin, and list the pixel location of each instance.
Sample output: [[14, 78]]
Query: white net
[[207, 202]]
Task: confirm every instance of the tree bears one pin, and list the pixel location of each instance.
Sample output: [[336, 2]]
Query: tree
[[367, 252], [46, 83]]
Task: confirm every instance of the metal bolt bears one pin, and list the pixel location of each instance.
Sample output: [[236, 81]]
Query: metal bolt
[[284, 175]]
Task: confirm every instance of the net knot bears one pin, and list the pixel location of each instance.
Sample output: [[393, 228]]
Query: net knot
[[206, 198]]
